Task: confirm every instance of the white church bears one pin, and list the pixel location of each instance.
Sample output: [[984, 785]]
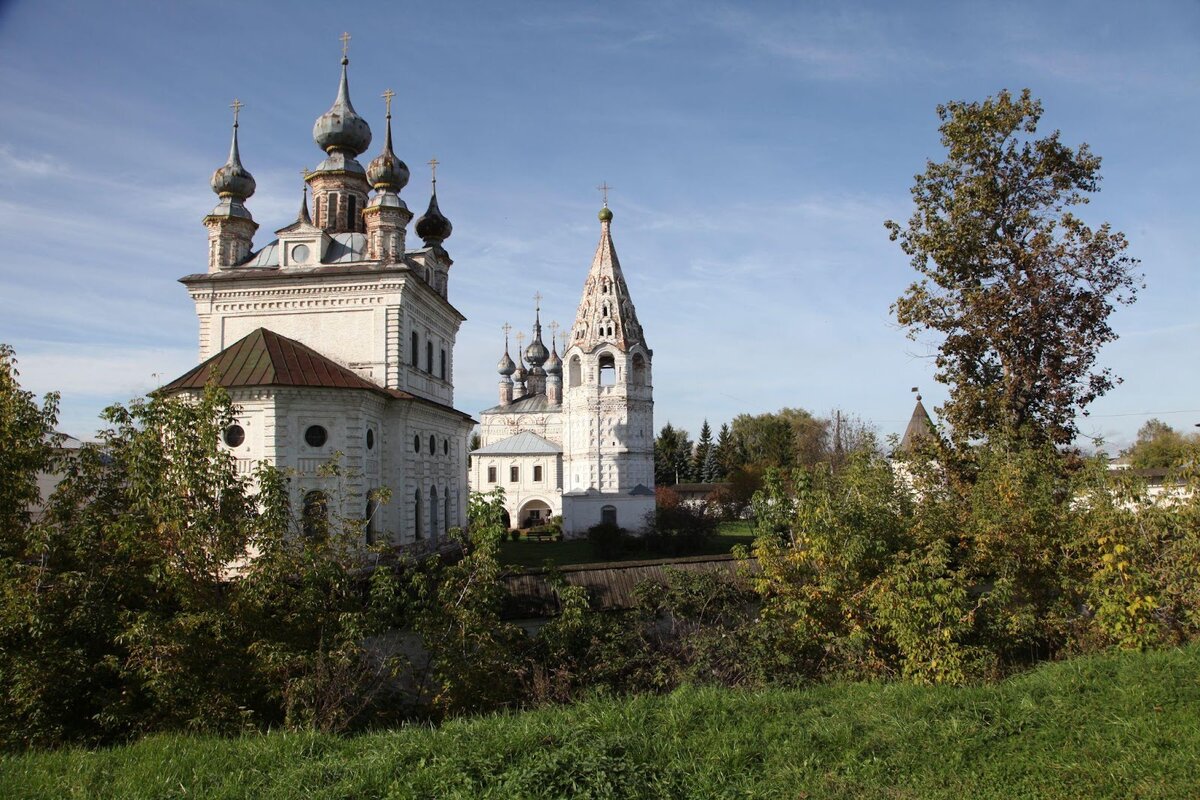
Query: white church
[[574, 435], [337, 336]]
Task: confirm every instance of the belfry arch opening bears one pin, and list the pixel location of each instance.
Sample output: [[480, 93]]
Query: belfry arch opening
[[608, 369], [639, 369], [574, 372]]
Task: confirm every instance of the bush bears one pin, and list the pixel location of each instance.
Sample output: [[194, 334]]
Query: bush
[[608, 540], [678, 529]]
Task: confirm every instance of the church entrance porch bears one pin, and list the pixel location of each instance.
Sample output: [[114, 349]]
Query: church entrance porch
[[533, 513]]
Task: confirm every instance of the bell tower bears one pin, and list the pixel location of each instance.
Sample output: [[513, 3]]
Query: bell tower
[[608, 438]]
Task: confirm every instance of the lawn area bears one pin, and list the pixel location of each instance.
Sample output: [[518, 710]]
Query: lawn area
[[529, 553], [1118, 725]]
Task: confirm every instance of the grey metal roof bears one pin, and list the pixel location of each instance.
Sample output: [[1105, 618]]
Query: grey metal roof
[[523, 444], [346, 248], [527, 404]]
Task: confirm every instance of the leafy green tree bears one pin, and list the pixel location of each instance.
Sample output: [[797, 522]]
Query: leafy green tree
[[27, 440], [783, 439], [477, 659], [1018, 288], [1160, 446]]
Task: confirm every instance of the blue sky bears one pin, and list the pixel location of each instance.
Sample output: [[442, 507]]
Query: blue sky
[[755, 150]]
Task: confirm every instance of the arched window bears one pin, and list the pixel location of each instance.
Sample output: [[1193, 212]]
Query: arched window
[[639, 369], [429, 357], [432, 444], [608, 515], [417, 515], [608, 369], [315, 515], [575, 372], [443, 372], [369, 521], [433, 513], [416, 348], [446, 515], [352, 212]]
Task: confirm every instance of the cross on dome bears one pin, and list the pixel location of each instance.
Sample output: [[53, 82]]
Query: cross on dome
[[345, 37], [237, 106], [603, 189]]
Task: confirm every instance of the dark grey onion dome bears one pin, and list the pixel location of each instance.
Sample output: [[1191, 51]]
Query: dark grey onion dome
[[554, 364], [506, 366], [432, 226], [519, 374], [232, 179], [341, 128], [536, 354], [386, 172]]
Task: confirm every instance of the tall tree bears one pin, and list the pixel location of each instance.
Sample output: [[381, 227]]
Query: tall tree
[[1018, 287], [672, 456], [704, 446]]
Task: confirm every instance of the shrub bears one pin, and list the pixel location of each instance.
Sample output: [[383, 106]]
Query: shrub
[[607, 540]]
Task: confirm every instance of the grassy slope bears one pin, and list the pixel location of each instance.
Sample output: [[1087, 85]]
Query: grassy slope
[[528, 553], [1114, 726]]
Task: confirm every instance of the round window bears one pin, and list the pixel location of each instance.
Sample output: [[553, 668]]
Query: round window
[[300, 253], [432, 445], [446, 446], [234, 435], [416, 444], [315, 435], [370, 439]]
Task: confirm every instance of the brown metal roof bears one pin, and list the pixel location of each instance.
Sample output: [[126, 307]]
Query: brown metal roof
[[920, 428], [264, 358]]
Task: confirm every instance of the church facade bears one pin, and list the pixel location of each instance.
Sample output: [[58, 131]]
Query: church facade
[[336, 339], [573, 435]]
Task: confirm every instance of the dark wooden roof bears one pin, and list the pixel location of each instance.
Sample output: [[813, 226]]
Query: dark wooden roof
[[264, 358], [610, 586], [920, 427]]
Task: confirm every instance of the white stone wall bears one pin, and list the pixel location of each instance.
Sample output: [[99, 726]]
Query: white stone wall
[[275, 421], [364, 322]]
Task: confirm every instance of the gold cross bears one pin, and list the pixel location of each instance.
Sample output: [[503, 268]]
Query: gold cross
[[537, 300], [520, 340], [604, 187], [236, 105], [506, 328], [345, 37], [388, 94], [433, 165]]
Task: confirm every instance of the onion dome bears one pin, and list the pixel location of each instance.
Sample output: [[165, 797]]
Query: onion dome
[[519, 375], [432, 226], [605, 214], [341, 128], [536, 354], [554, 363], [233, 180], [386, 173], [506, 366]]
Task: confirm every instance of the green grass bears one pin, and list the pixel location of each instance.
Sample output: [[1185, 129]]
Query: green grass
[[527, 553], [1114, 726]]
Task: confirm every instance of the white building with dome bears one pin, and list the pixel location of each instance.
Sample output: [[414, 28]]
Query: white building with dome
[[574, 435], [337, 337]]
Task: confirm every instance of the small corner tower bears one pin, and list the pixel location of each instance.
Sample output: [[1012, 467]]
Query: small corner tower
[[386, 216], [230, 226], [608, 447]]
